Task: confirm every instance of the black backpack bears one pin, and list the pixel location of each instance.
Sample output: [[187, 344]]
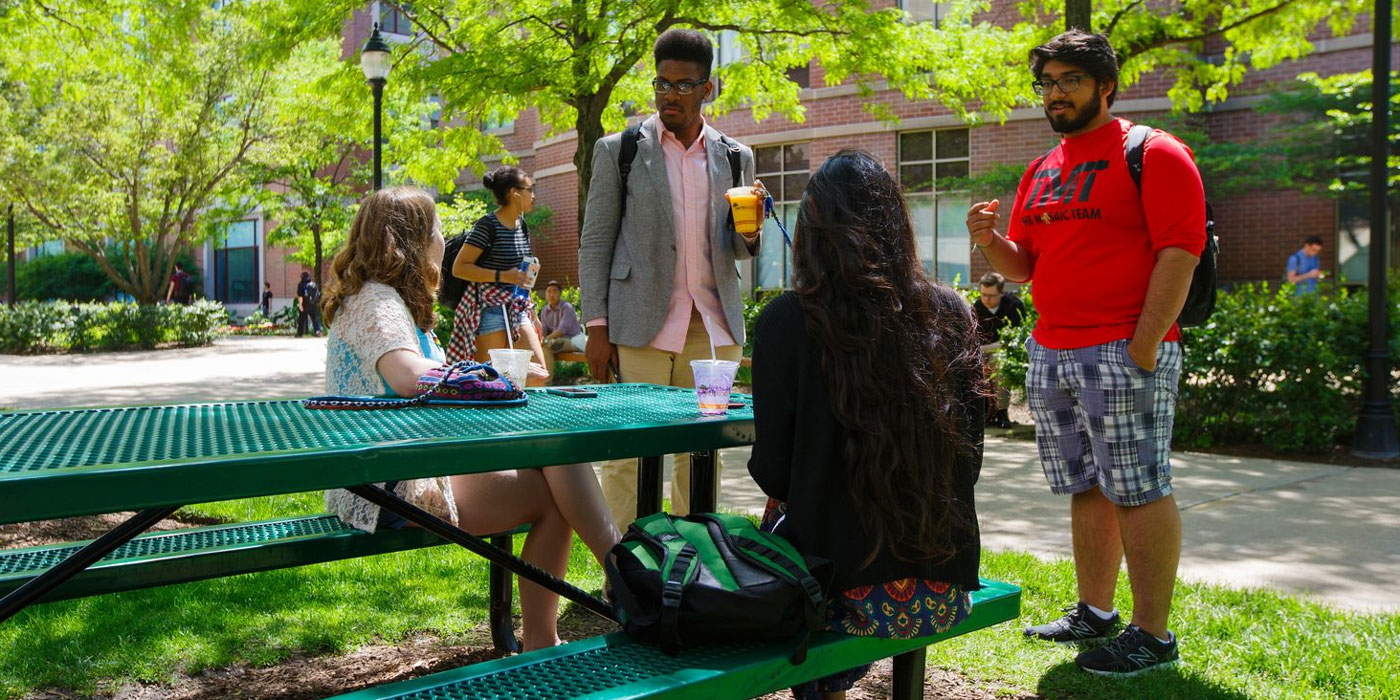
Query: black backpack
[[1200, 299], [628, 153], [451, 288]]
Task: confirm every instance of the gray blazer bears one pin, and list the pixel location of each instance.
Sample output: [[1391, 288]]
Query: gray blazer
[[627, 266]]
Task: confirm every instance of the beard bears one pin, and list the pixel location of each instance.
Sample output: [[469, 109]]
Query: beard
[[1084, 115]]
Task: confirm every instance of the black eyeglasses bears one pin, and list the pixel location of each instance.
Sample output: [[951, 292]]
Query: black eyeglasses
[[1067, 84], [683, 87], [530, 189]]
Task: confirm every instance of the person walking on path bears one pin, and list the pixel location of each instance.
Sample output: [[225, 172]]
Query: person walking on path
[[996, 309], [1304, 269], [266, 303], [1104, 357], [181, 288], [658, 281], [308, 306], [496, 300]]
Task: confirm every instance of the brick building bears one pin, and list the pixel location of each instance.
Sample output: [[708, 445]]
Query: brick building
[[1258, 230]]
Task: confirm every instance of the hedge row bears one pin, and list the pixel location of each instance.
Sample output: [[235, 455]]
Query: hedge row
[[1270, 367], [56, 326]]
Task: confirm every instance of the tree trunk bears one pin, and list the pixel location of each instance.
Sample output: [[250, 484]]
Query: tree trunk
[[1079, 15], [316, 243], [589, 126]]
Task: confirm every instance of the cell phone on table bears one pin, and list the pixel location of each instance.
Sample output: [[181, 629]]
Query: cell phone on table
[[572, 392]]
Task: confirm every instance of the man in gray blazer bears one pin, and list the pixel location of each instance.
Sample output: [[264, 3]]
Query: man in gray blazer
[[659, 281]]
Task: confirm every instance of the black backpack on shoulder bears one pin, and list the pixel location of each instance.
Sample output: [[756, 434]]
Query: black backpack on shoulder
[[628, 153], [1200, 299], [451, 287]]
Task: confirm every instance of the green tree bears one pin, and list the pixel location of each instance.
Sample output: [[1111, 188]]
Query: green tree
[[125, 120], [307, 178], [582, 64]]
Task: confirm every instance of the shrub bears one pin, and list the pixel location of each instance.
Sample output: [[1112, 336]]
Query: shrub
[[1270, 367], [46, 327]]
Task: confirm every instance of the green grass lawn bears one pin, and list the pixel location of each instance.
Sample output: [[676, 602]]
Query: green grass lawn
[[1235, 644]]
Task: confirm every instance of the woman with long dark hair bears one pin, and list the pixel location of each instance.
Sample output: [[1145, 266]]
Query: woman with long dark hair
[[868, 395]]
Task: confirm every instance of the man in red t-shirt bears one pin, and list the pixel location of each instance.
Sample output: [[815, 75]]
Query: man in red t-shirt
[[1111, 266]]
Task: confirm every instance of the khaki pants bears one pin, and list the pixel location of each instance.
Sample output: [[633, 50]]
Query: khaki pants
[[654, 366]]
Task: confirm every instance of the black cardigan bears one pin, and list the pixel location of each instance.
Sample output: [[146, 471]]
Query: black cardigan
[[796, 459]]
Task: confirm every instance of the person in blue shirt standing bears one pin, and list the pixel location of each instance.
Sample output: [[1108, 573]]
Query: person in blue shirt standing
[[1304, 268]]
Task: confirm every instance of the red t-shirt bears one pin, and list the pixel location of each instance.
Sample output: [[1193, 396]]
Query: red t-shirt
[[1093, 240]]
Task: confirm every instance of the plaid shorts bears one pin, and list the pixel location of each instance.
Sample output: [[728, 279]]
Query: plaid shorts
[[1100, 420]]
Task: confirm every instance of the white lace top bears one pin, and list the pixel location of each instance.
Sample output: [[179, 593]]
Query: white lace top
[[369, 324]]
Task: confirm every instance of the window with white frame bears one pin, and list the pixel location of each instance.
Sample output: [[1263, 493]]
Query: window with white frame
[[784, 170], [926, 160], [926, 10]]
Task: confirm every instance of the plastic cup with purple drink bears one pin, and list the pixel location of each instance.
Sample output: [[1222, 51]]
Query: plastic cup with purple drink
[[714, 380]]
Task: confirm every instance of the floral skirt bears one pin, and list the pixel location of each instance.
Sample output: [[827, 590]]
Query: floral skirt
[[901, 609]]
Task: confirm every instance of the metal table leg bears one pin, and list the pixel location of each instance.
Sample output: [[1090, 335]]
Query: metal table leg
[[90, 554], [510, 562], [909, 675], [703, 488], [648, 485], [502, 626]]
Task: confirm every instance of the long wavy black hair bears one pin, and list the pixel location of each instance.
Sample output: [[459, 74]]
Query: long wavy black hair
[[899, 357]]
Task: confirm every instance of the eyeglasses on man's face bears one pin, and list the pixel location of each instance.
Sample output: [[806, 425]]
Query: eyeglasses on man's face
[[683, 87], [1067, 84]]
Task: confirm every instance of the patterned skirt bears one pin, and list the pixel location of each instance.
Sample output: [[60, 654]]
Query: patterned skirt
[[900, 609]]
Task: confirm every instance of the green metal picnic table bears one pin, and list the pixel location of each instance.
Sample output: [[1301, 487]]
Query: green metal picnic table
[[155, 459]]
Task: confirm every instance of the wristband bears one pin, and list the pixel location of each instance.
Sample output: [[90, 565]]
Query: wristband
[[498, 276]]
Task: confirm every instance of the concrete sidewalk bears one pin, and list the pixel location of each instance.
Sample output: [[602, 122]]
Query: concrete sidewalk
[[1329, 532]]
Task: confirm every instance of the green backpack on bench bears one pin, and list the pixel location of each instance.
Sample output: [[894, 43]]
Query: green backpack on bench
[[712, 578]]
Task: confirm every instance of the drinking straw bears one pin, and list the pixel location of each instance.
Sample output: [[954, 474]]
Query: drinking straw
[[505, 313]]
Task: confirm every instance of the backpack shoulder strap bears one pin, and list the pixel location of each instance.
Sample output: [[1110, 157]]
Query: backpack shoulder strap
[[1133, 149], [625, 155], [734, 154]]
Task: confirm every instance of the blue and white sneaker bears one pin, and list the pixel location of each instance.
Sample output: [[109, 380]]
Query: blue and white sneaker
[[1132, 653]]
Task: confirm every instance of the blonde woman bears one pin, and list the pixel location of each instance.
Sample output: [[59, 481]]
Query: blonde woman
[[380, 311]]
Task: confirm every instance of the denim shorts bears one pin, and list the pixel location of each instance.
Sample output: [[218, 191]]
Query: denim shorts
[[1102, 421], [493, 320]]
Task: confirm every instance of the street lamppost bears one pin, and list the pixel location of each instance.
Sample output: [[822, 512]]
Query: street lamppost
[[1375, 430], [374, 61]]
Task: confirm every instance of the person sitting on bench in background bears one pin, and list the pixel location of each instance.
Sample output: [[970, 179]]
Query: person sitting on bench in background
[[869, 399], [560, 325], [380, 310]]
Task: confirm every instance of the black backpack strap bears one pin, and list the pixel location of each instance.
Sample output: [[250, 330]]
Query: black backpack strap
[[625, 155], [1133, 149], [735, 155], [672, 588]]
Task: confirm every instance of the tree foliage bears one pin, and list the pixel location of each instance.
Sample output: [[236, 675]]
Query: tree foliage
[[118, 140]]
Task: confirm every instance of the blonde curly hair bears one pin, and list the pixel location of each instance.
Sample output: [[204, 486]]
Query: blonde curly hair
[[390, 242]]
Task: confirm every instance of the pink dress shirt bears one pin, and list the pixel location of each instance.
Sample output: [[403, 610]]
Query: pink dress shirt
[[688, 173]]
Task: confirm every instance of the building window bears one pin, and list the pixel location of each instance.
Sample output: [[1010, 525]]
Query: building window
[[46, 249], [393, 20], [235, 279], [784, 170], [926, 10], [926, 160], [1354, 239]]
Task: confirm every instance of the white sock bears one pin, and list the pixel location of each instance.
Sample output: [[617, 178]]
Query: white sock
[[1102, 614]]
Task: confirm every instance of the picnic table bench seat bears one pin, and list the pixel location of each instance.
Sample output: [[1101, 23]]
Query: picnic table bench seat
[[617, 667], [193, 554]]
